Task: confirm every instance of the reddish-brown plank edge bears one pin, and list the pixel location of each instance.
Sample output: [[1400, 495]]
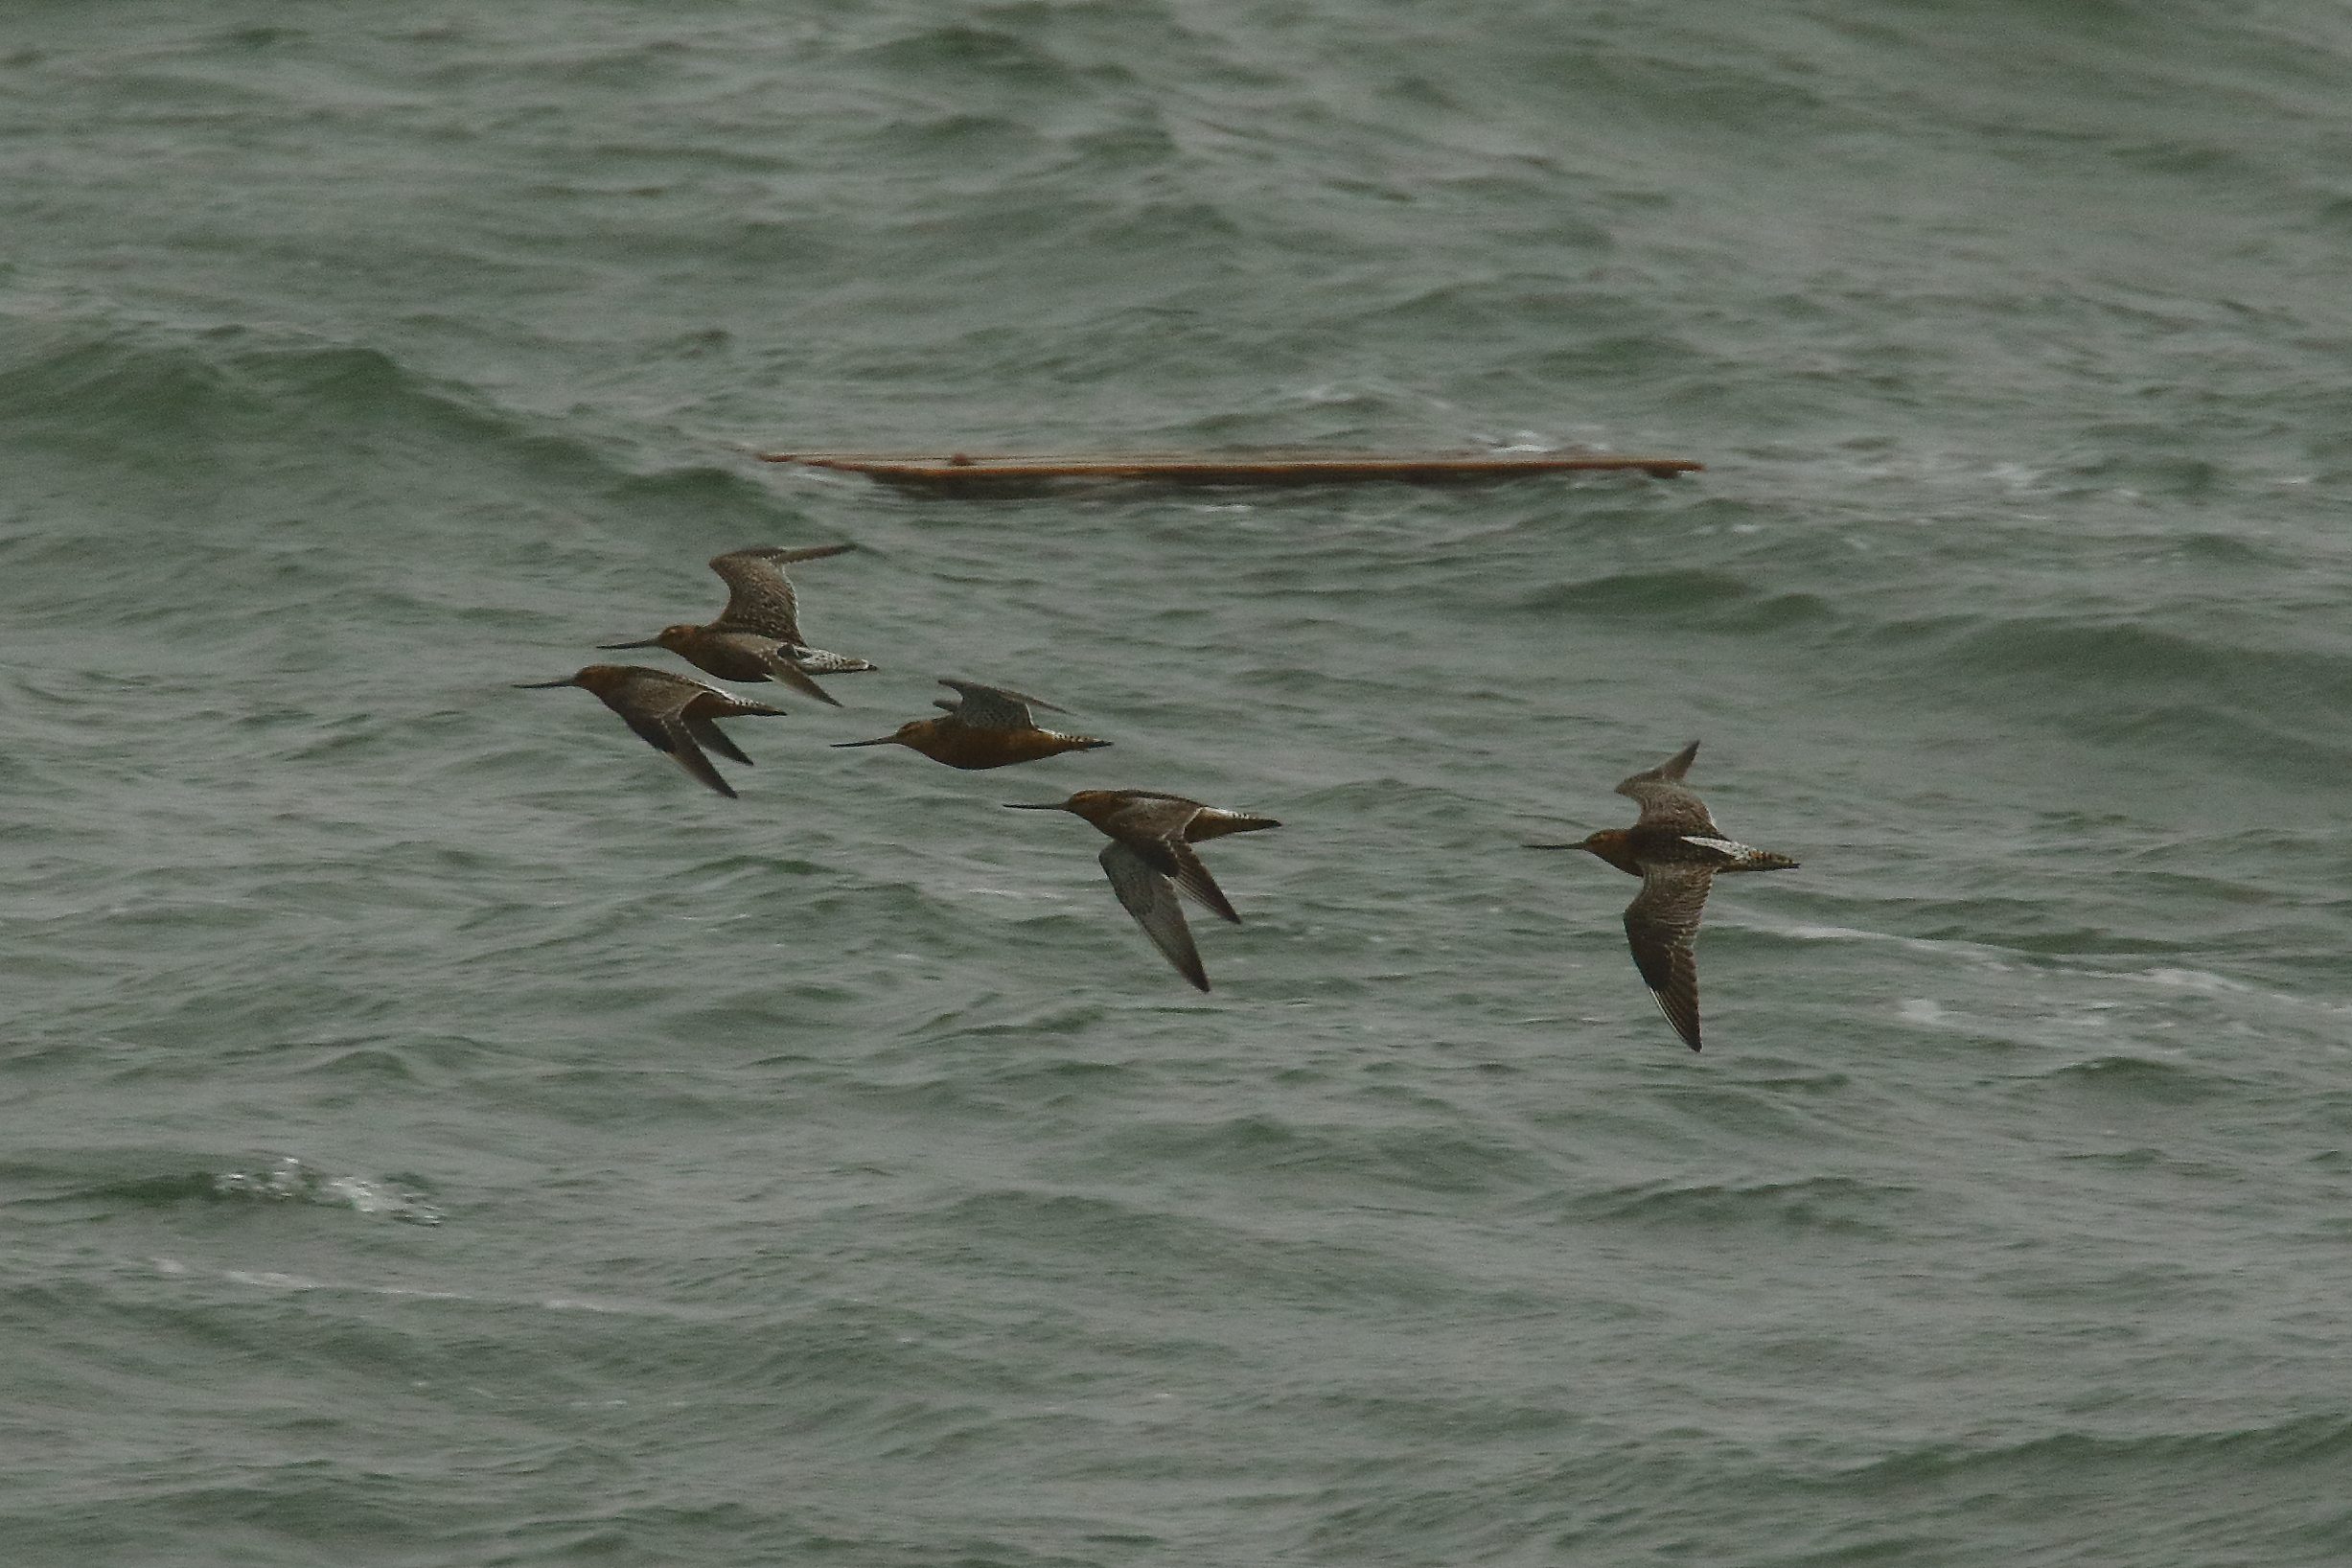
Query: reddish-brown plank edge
[[1323, 468]]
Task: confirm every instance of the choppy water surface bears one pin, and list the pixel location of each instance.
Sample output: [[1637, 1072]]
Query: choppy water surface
[[439, 1133]]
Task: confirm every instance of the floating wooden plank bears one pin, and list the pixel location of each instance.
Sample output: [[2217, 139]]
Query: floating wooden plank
[[961, 470]]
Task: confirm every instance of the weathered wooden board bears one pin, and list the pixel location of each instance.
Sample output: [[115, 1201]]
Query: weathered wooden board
[[960, 470]]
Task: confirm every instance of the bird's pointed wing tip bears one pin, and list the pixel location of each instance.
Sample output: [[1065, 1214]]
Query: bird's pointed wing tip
[[1679, 764], [1192, 876], [786, 672], [689, 756], [1150, 896]]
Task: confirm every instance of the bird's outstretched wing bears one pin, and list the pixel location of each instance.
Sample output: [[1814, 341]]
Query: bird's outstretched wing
[[655, 703], [990, 707], [791, 674], [1660, 924], [1151, 898], [1666, 801], [706, 733], [1162, 830], [671, 736], [1193, 878], [759, 596]]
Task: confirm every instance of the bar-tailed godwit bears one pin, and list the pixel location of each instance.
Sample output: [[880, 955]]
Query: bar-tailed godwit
[[986, 726], [757, 636], [676, 714], [1676, 850], [1150, 856]]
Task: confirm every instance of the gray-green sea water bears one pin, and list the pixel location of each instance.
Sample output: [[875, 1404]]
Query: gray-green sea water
[[439, 1133]]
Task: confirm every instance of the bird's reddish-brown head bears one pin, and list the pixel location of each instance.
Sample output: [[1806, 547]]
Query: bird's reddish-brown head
[[1613, 844], [1096, 805]]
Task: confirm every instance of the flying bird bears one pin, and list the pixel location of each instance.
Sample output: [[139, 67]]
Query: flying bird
[[757, 636], [1150, 856], [676, 714], [1676, 850], [986, 726]]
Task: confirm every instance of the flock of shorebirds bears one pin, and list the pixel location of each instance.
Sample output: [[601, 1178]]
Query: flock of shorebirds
[[1675, 847]]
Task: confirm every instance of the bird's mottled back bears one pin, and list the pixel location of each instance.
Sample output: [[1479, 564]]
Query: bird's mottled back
[[759, 596], [976, 707]]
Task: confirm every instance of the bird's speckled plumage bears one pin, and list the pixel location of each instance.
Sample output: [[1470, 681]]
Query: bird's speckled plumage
[[1677, 850]]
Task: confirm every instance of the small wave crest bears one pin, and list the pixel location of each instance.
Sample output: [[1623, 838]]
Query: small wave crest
[[287, 1180]]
